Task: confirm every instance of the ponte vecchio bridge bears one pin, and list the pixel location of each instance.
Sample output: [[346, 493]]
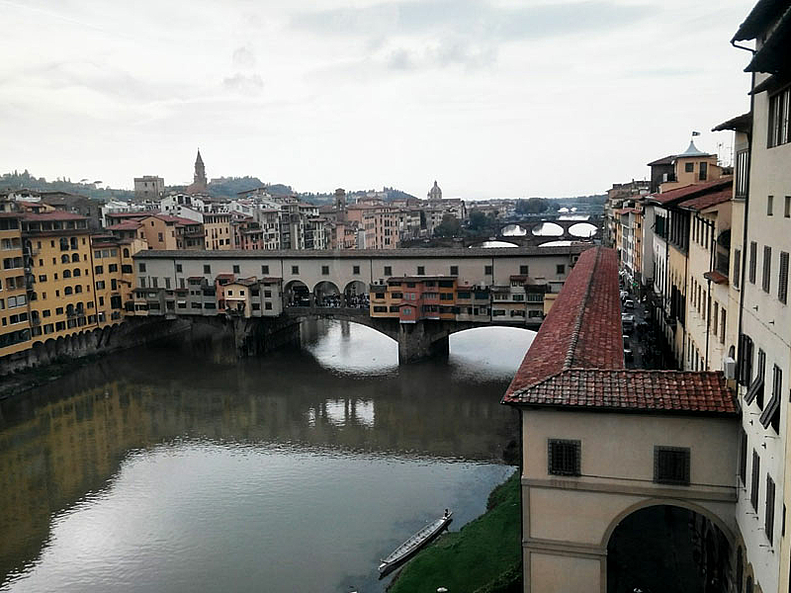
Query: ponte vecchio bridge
[[264, 295]]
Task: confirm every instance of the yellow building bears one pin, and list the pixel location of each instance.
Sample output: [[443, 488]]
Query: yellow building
[[113, 275], [62, 266], [217, 231], [15, 329]]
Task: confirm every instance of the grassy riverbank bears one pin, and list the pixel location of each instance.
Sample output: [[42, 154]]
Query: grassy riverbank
[[484, 557]]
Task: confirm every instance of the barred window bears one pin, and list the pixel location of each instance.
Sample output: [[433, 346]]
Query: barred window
[[564, 457], [671, 465]]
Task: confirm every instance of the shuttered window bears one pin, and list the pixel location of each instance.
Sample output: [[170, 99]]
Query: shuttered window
[[769, 515], [767, 275], [756, 390], [754, 483], [753, 260], [671, 465], [782, 284], [771, 413], [745, 359], [737, 267]]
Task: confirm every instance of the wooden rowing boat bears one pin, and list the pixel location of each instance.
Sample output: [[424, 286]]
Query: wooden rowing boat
[[414, 543]]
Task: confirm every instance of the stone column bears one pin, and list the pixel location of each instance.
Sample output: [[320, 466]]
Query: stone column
[[422, 340]]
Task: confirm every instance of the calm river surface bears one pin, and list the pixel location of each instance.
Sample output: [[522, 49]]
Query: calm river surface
[[166, 469]]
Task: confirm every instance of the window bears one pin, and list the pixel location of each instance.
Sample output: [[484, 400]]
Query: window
[[325, 270], [753, 260], [99, 270], [268, 306], [355, 269], [421, 270], [754, 482], [782, 281], [561, 269], [178, 269], [703, 171], [766, 280], [206, 269], [689, 167], [388, 271], [264, 269], [67, 273], [770, 205], [771, 414], [524, 270], [737, 267], [76, 272], [723, 325], [778, 118], [756, 389], [141, 267], [787, 207], [295, 269], [488, 270], [454, 270], [42, 278], [743, 457], [742, 173], [235, 269], [100, 285], [769, 515], [563, 457], [671, 465]]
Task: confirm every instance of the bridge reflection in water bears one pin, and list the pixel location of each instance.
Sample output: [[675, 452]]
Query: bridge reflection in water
[[69, 439]]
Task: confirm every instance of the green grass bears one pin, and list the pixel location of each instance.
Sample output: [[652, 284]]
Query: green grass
[[485, 556]]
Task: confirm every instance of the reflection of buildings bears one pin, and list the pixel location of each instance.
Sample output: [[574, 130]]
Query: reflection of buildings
[[55, 449]]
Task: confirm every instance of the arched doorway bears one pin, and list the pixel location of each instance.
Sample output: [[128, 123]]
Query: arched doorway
[[356, 295], [296, 294], [671, 549], [327, 294]]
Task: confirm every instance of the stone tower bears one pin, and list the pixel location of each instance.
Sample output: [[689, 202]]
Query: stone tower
[[199, 180], [435, 193], [340, 204]]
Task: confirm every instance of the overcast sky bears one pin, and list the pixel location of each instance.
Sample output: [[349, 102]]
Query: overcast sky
[[491, 98]]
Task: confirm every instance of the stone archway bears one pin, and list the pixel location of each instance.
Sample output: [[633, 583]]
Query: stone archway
[[327, 294], [670, 546], [296, 294], [356, 295]]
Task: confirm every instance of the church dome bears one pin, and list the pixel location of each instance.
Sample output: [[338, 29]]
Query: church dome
[[435, 193]]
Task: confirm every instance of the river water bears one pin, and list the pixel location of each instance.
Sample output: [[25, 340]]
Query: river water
[[181, 469]]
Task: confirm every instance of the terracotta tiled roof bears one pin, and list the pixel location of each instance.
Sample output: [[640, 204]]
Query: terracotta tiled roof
[[583, 327], [716, 277], [54, 215], [576, 359], [681, 392], [690, 191], [127, 225], [708, 200]]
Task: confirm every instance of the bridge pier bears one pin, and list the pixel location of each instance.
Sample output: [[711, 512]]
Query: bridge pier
[[422, 340], [255, 335]]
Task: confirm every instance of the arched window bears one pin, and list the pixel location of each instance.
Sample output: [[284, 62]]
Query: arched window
[[74, 243], [78, 288], [67, 273], [64, 259], [69, 309], [126, 252], [64, 244], [76, 272], [75, 257], [67, 290]]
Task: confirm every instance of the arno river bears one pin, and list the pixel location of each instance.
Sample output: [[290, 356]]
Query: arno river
[[180, 469]]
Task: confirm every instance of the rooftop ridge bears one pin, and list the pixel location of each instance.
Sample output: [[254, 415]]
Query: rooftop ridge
[[575, 333]]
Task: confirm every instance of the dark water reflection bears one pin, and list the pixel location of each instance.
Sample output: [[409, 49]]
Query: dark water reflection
[[181, 469]]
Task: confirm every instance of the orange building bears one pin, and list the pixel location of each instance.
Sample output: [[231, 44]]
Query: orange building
[[414, 298]]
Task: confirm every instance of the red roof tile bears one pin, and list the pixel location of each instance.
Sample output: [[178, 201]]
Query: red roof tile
[[54, 215], [708, 200], [583, 327], [633, 390], [690, 191]]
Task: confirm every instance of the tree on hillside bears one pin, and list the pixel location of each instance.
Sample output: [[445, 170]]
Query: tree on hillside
[[532, 206], [478, 220]]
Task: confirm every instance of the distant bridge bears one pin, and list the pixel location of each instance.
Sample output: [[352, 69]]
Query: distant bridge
[[529, 238]]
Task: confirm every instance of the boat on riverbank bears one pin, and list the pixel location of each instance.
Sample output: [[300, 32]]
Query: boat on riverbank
[[414, 543]]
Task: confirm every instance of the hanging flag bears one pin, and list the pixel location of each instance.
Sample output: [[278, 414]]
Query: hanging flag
[[695, 134]]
